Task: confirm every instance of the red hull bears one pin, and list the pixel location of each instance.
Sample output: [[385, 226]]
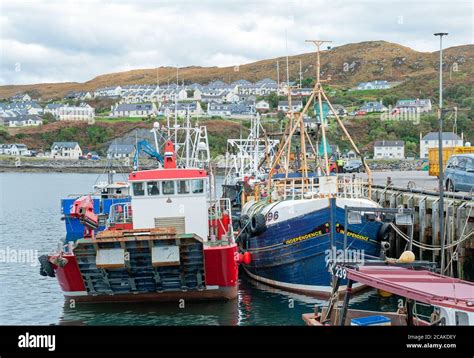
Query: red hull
[[221, 275], [222, 293]]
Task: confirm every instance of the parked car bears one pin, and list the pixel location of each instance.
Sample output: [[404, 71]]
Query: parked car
[[459, 175], [353, 166]]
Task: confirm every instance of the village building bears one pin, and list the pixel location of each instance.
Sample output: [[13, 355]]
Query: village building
[[23, 120], [219, 109], [66, 150], [52, 108], [296, 106], [78, 95], [16, 149], [135, 110], [83, 112], [371, 107], [108, 92], [431, 140], [182, 109], [389, 149], [373, 85], [262, 106], [414, 105], [21, 97], [119, 151], [340, 110]]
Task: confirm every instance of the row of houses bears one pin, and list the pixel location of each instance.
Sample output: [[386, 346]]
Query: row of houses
[[144, 93], [403, 105], [67, 150], [374, 85], [383, 149], [216, 91], [30, 113]]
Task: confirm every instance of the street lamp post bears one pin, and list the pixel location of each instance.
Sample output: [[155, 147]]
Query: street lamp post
[[440, 151]]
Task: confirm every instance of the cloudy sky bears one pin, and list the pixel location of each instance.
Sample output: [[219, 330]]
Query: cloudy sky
[[62, 40]]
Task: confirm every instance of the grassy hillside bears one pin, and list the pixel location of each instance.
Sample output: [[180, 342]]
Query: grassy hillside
[[347, 65]]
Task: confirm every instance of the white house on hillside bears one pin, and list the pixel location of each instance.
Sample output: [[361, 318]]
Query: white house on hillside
[[24, 120], [135, 110], [83, 112], [14, 149], [66, 150], [296, 106], [262, 106], [389, 149], [414, 105], [431, 141], [21, 97], [108, 92], [52, 108]]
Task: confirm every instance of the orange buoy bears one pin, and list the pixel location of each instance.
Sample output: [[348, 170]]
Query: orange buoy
[[247, 258]]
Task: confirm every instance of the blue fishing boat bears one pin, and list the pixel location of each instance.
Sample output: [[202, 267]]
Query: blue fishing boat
[[294, 226], [106, 196], [290, 246]]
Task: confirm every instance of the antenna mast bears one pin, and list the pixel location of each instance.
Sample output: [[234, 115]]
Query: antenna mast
[[296, 122]]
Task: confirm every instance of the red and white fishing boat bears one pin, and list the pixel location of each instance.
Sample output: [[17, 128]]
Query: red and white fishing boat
[[172, 241]]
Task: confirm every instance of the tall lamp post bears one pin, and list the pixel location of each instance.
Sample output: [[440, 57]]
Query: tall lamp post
[[440, 151]]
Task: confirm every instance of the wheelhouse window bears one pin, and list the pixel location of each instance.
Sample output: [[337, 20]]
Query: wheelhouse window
[[138, 189], [197, 186], [183, 187], [168, 187], [153, 188]]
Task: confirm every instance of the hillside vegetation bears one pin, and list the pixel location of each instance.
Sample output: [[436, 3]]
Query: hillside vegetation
[[347, 65]]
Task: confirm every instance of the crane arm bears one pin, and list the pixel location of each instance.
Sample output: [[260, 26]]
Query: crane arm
[[83, 209], [148, 149]]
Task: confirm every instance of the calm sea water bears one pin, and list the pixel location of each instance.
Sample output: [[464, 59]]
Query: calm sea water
[[30, 221]]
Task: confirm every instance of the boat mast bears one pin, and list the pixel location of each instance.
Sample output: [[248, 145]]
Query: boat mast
[[319, 89], [321, 95], [188, 138], [298, 122]]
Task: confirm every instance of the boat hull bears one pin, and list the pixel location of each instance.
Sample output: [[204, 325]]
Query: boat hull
[[293, 254], [97, 270], [220, 293]]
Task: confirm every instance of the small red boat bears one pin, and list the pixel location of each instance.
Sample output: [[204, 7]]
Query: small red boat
[[170, 242]]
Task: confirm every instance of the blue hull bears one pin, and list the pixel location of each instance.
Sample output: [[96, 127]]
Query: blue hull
[[293, 254], [74, 228]]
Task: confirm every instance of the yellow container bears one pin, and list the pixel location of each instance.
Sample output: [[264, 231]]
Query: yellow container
[[447, 153]]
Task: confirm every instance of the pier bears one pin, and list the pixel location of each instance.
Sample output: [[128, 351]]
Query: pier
[[459, 224]]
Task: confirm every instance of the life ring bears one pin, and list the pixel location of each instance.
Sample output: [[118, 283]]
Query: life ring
[[258, 224]]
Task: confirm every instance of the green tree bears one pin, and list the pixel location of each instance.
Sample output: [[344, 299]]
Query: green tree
[[273, 100], [389, 100], [48, 118], [308, 82]]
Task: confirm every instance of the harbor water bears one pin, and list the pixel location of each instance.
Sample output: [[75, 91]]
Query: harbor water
[[30, 225]]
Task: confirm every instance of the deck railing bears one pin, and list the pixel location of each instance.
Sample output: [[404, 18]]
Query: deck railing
[[217, 209], [310, 188]]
